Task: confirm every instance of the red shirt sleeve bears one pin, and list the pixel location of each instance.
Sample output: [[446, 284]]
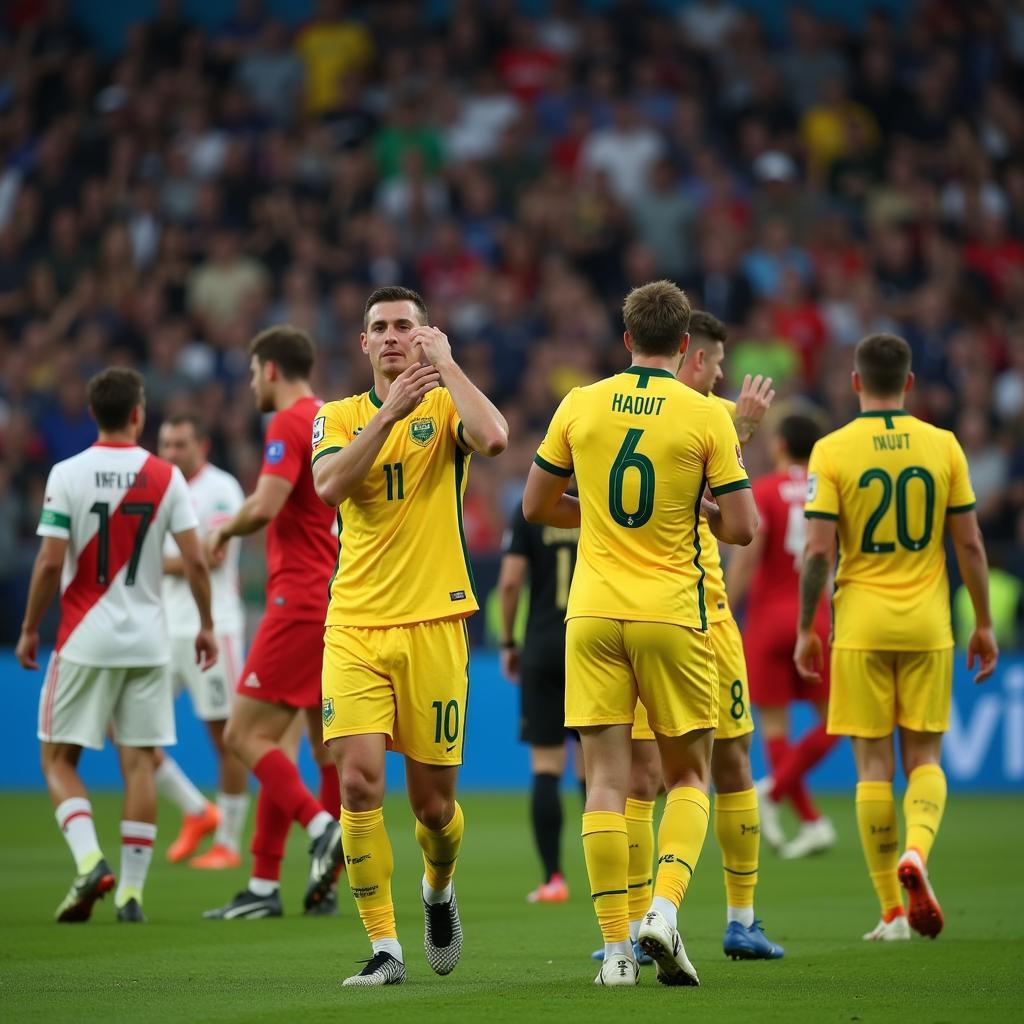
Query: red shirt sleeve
[[284, 450]]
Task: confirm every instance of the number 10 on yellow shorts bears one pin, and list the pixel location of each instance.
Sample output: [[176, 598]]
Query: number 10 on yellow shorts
[[410, 683]]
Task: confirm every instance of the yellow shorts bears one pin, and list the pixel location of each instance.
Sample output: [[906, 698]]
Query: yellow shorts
[[875, 691], [410, 683], [734, 702], [610, 663]]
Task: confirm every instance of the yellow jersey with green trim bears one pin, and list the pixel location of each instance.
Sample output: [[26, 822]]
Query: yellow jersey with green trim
[[889, 480], [643, 447], [715, 597], [402, 554]]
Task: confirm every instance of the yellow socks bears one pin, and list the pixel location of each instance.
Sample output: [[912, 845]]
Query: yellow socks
[[680, 838], [738, 830], [879, 835], [923, 804], [640, 833], [606, 850], [369, 865], [441, 850]]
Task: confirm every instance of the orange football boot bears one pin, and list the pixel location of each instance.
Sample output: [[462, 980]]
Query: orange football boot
[[555, 891], [217, 858], [194, 827]]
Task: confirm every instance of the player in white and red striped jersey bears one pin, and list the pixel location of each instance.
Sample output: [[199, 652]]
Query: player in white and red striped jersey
[[103, 523], [216, 497], [770, 568]]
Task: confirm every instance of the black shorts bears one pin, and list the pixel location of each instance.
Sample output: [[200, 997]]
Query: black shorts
[[542, 698]]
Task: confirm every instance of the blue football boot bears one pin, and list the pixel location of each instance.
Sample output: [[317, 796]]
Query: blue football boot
[[750, 943]]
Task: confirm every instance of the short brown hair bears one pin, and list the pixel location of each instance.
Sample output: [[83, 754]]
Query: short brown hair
[[798, 433], [113, 394], [179, 418], [705, 326], [883, 362], [657, 315], [289, 348], [394, 293]]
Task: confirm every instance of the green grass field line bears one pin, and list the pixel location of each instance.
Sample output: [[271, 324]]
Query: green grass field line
[[520, 961]]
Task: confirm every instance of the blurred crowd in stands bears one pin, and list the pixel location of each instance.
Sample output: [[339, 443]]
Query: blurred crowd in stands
[[159, 206]]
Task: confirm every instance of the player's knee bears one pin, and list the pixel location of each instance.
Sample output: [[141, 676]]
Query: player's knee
[[433, 810], [361, 790], [645, 780], [730, 767]]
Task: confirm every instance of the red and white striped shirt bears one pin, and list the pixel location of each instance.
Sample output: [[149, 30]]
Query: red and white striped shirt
[[114, 504]]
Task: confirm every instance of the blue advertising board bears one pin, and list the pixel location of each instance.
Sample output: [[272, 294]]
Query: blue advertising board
[[983, 751]]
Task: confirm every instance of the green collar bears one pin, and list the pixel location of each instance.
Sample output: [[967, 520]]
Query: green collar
[[374, 398], [650, 371], [886, 413]]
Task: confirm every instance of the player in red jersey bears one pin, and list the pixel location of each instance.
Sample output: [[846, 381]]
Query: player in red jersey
[[281, 677], [768, 572]]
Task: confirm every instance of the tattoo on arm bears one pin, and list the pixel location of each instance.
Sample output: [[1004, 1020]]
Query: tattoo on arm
[[813, 578]]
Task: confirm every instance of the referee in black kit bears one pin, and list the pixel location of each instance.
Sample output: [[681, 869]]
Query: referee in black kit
[[548, 556]]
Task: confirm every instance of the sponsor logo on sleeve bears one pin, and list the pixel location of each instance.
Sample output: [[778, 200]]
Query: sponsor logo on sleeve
[[457, 595], [318, 430], [739, 457], [328, 710], [274, 452], [812, 486]]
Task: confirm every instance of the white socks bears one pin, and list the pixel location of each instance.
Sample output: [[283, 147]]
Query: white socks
[[74, 818], [137, 838], [433, 896], [618, 948], [666, 908], [174, 785], [318, 823], [392, 946], [263, 886], [233, 810], [745, 915], [634, 930]]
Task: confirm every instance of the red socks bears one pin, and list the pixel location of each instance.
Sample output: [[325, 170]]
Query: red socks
[[791, 763], [330, 790], [279, 778], [268, 838]]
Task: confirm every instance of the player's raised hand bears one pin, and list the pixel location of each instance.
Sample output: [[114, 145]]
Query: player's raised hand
[[206, 649], [809, 657], [510, 661], [407, 390], [432, 343], [755, 397], [27, 651], [982, 650]]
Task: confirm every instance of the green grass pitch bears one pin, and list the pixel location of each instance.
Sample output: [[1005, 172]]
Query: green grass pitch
[[520, 962]]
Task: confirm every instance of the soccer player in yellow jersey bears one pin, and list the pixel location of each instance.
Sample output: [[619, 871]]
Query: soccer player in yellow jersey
[[396, 652], [885, 488], [736, 814], [643, 447]]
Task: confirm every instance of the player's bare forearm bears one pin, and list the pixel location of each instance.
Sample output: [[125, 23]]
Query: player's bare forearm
[[564, 513], [733, 520], [484, 428], [198, 576], [173, 565], [740, 570], [969, 546], [336, 476], [813, 577], [41, 592], [545, 500], [510, 585]]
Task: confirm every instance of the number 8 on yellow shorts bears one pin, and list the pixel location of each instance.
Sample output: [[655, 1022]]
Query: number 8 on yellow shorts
[[410, 683], [734, 702], [609, 663]]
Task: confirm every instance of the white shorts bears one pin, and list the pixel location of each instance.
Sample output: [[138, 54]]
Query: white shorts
[[210, 691], [79, 704]]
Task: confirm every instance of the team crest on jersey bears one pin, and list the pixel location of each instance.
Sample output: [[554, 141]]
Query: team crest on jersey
[[328, 710], [318, 430], [812, 486], [274, 452], [422, 431]]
